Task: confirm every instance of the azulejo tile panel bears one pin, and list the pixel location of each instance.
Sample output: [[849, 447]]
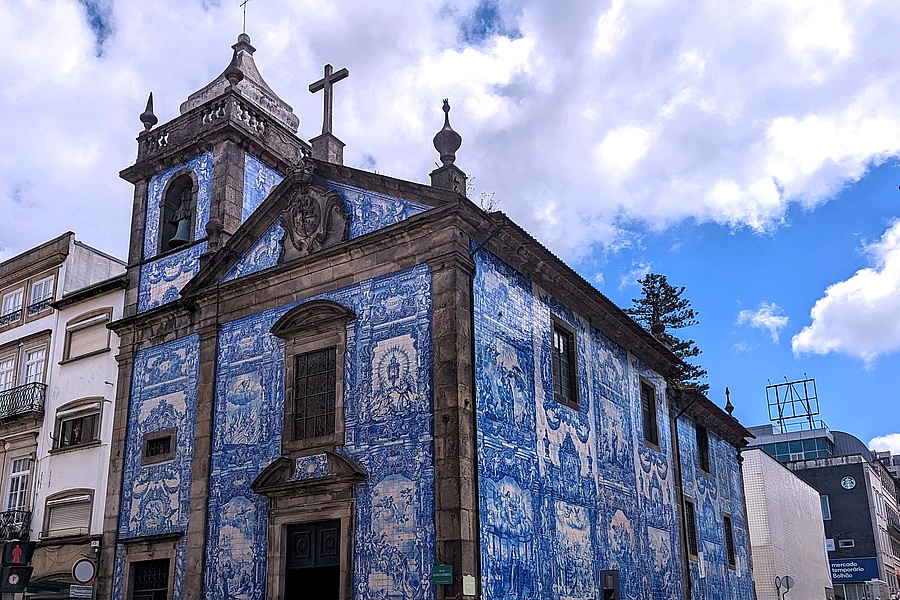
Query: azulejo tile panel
[[564, 492], [202, 168], [388, 431], [371, 211], [715, 494], [156, 497], [368, 212], [163, 278], [259, 179]]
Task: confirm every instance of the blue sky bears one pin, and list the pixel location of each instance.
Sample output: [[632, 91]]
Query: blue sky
[[747, 150]]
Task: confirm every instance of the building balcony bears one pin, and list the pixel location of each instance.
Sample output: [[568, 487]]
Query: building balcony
[[23, 400], [38, 306], [14, 524], [11, 317]]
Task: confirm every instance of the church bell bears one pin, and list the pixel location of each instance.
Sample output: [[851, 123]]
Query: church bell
[[182, 234]]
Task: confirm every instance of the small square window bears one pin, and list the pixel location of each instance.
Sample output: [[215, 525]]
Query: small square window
[[565, 366], [648, 413], [159, 446], [846, 543]]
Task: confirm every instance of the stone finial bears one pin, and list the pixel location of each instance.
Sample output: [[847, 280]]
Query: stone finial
[[147, 117], [657, 328], [729, 407], [447, 141]]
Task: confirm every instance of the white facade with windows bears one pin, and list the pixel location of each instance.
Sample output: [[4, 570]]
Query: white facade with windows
[[57, 385]]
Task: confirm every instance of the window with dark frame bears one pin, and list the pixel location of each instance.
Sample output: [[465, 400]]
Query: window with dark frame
[[648, 413], [565, 382], [690, 526], [68, 515], [87, 335], [78, 429], [826, 507], [314, 394], [158, 446], [703, 448], [150, 579], [729, 540]]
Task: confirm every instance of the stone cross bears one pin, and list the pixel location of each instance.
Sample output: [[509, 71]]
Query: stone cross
[[244, 4], [326, 83]]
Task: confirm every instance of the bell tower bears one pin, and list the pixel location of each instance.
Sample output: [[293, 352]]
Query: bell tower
[[199, 176]]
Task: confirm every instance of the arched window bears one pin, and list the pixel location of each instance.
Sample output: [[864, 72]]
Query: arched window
[[176, 226]]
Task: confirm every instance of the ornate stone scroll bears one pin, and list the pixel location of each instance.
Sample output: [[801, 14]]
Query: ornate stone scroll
[[314, 218]]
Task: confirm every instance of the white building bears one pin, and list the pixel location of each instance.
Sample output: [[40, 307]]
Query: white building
[[787, 536], [57, 384]]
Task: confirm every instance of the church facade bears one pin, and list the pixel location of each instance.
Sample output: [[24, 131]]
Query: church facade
[[344, 385]]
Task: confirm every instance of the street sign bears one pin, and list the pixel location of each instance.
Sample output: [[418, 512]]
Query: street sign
[[81, 591], [84, 570], [442, 574]]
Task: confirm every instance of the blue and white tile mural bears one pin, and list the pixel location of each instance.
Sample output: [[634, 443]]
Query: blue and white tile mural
[[156, 497], [566, 493], [715, 494], [162, 279], [259, 179], [368, 212], [388, 432]]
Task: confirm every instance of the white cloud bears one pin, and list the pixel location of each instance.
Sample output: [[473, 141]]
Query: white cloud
[[583, 121], [768, 317], [858, 316], [891, 442]]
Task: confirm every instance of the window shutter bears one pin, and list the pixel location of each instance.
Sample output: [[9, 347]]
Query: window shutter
[[88, 339], [70, 517]]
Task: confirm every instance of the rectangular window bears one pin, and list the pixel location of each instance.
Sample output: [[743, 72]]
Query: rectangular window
[[703, 448], [11, 308], [565, 382], [69, 516], [158, 446], [826, 507], [314, 394], [690, 526], [17, 496], [78, 429], [86, 336], [7, 372], [729, 540], [150, 579], [34, 365], [648, 413], [41, 295], [846, 543]]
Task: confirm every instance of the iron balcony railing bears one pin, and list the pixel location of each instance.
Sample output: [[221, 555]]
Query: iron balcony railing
[[21, 400], [10, 317], [38, 306], [14, 524]]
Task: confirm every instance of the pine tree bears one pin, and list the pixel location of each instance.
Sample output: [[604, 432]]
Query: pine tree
[[661, 302]]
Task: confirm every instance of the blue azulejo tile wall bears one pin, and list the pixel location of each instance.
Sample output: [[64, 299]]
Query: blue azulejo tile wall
[[162, 279], [565, 492], [259, 179], [714, 494], [388, 432], [156, 497], [368, 212]]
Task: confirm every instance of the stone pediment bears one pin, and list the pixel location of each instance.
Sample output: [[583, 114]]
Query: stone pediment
[[325, 468], [300, 217]]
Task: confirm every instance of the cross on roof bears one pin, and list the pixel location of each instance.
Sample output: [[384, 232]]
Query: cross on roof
[[326, 83], [244, 4]]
